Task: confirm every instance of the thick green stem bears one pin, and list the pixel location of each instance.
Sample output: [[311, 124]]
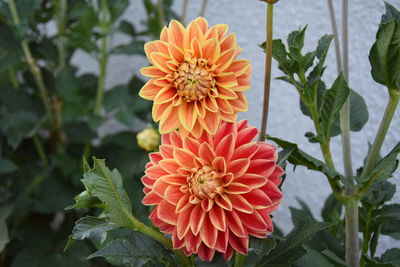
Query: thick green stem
[[381, 134], [345, 112], [159, 237], [367, 232], [13, 78], [239, 259], [104, 25], [351, 224], [338, 53], [184, 11], [61, 9], [33, 67], [203, 8], [267, 78], [40, 150], [161, 14]]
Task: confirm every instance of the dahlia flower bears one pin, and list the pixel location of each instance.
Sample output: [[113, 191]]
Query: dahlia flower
[[195, 80], [211, 193]]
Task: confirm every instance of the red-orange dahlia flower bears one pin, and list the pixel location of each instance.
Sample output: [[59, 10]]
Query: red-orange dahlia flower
[[196, 81], [211, 193]]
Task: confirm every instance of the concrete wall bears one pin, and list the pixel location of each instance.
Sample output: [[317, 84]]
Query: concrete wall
[[247, 19]]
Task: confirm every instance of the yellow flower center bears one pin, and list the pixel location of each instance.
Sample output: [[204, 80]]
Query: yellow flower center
[[193, 80], [205, 182]]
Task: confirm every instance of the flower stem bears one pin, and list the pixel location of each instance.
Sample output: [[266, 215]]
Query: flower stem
[[336, 34], [40, 150], [268, 62], [33, 67], [351, 225], [203, 8], [61, 8], [13, 78], [184, 11], [104, 23], [161, 14], [239, 259], [159, 237], [345, 112], [381, 134]]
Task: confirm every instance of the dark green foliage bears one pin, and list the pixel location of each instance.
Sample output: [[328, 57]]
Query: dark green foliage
[[41, 159]]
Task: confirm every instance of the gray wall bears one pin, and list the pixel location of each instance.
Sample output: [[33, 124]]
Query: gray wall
[[247, 19]]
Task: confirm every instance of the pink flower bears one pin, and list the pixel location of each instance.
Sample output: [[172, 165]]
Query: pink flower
[[212, 192]]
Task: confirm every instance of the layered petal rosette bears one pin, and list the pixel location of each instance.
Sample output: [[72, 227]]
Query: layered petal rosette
[[211, 193], [195, 79]]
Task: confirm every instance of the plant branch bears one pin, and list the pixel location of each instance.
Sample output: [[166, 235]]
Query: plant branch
[[161, 14], [61, 7], [40, 150], [184, 11], [268, 62], [203, 8], [345, 112], [338, 53], [381, 134], [104, 25], [351, 226], [33, 67], [239, 260]]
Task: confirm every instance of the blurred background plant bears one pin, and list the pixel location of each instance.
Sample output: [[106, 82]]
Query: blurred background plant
[[50, 115]]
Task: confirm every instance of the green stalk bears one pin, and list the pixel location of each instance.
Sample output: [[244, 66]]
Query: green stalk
[[345, 112], [338, 53], [351, 225], [13, 77], [61, 6], [40, 150], [267, 79], [104, 24], [239, 259], [203, 8], [184, 11], [161, 14], [367, 233], [33, 67], [381, 134]]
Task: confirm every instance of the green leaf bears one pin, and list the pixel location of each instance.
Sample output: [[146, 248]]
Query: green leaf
[[5, 211], [136, 249], [374, 241], [392, 256], [79, 132], [315, 258], [107, 186], [7, 166], [295, 40], [85, 200], [385, 55], [379, 193], [373, 263], [127, 28], [391, 13], [18, 125], [217, 261], [280, 55], [299, 215], [92, 228], [332, 102], [332, 210], [290, 250], [358, 111], [136, 47], [299, 157], [67, 85], [391, 211]]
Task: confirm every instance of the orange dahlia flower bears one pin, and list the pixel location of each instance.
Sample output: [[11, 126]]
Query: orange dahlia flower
[[210, 194], [195, 80]]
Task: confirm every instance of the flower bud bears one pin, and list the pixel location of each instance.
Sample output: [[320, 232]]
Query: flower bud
[[148, 139]]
